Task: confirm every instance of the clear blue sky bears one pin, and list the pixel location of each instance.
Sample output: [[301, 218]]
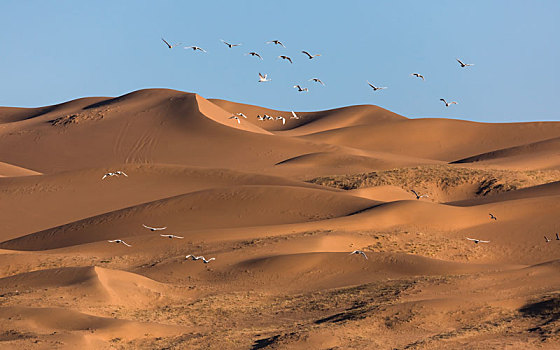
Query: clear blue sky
[[54, 51]]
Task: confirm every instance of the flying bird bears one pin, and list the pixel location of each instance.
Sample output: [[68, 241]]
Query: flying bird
[[294, 115], [417, 195], [236, 118], [359, 252], [259, 117], [276, 42], [194, 48], [154, 228], [118, 172], [546, 239], [285, 58], [463, 65], [447, 104], [108, 174], [492, 217], [263, 78], [477, 240], [418, 75], [267, 117], [241, 115], [172, 236], [282, 119], [375, 88], [310, 55], [119, 241], [230, 45], [317, 80], [300, 89], [254, 54], [169, 45], [194, 258]]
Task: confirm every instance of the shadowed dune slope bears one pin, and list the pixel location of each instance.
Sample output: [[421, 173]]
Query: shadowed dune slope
[[439, 139], [10, 170], [81, 194], [239, 206]]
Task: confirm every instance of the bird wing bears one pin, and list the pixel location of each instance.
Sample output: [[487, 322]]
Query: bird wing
[[261, 76], [126, 244], [166, 42], [416, 194], [364, 254], [371, 85], [307, 53], [461, 63], [201, 49], [289, 59], [471, 239], [148, 227], [104, 176], [484, 241], [294, 114], [178, 237]]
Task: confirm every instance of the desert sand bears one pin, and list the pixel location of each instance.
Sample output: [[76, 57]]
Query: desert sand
[[280, 208]]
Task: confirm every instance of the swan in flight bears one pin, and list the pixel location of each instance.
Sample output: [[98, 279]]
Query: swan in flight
[[236, 118], [263, 78], [418, 75], [254, 54], [359, 252], [230, 45], [447, 104], [285, 58], [241, 115], [477, 240], [282, 119], [194, 48], [259, 117], [294, 115], [375, 88], [300, 89], [119, 241], [116, 173], [463, 65], [194, 258], [154, 228], [169, 45], [317, 80], [417, 195], [310, 55], [172, 236], [276, 42]]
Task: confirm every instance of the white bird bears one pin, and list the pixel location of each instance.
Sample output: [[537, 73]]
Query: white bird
[[108, 174], [310, 55], [463, 65], [417, 195], [241, 115], [119, 241], [194, 48], [259, 117], [294, 115], [169, 45], [477, 240], [282, 119], [172, 236], [267, 117], [317, 80], [375, 88], [546, 239], [263, 78], [254, 54], [300, 89], [154, 228], [236, 118], [230, 45], [285, 58], [447, 104], [359, 252], [276, 42], [194, 258], [492, 217], [118, 172], [418, 75]]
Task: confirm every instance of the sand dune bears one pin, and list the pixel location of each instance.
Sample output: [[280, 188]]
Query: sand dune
[[279, 207], [10, 170]]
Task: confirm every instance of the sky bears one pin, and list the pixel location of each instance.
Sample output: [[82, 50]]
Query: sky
[[55, 51]]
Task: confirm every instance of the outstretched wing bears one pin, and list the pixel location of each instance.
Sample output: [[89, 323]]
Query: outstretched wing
[[168, 45]]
